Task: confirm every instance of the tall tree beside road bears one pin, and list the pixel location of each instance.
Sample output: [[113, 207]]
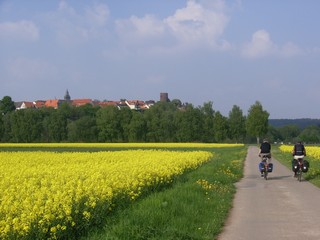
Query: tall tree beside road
[[237, 124], [208, 122], [257, 121], [220, 127]]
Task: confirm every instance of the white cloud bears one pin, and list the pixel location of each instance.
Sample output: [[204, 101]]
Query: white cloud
[[196, 24], [192, 26], [23, 30], [135, 27], [139, 30], [261, 45]]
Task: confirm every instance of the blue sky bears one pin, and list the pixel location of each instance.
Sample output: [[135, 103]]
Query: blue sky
[[232, 52]]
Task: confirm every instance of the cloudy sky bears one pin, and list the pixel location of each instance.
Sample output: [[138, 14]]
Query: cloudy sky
[[229, 52]]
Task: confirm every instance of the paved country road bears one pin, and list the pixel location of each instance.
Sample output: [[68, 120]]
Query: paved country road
[[279, 208]]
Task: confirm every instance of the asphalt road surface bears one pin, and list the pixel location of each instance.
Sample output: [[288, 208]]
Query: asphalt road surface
[[278, 208]]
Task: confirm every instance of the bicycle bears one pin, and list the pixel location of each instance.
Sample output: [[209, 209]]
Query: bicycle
[[299, 172], [265, 170], [301, 166]]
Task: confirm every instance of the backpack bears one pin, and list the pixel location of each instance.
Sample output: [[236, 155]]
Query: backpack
[[265, 147], [299, 149]]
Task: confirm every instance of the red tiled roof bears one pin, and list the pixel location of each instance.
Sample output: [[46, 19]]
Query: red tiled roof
[[52, 103], [28, 104], [39, 103], [108, 103], [80, 102]]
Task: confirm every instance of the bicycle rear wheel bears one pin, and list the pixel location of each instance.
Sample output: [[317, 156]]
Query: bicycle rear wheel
[[300, 175], [266, 174]]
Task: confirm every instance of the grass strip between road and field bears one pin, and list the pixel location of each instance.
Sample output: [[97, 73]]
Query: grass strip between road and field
[[285, 157]]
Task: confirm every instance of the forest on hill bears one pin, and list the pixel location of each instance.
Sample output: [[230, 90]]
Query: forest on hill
[[300, 122]]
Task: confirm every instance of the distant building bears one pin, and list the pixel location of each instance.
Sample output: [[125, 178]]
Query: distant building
[[81, 102], [67, 96], [137, 105], [24, 105], [164, 97], [54, 103]]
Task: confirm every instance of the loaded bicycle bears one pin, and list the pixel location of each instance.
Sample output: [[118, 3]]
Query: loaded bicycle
[[265, 167], [300, 166]]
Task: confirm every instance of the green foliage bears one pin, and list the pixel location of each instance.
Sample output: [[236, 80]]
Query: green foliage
[[257, 121], [237, 124], [6, 105], [313, 175], [108, 124], [310, 134], [220, 127], [163, 122]]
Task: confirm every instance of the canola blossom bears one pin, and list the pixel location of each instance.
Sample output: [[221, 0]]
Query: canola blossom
[[50, 195], [312, 151]]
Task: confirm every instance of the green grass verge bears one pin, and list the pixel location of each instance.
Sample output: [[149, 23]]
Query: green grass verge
[[313, 175], [194, 207]]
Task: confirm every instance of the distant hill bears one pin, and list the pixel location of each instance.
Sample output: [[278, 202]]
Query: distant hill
[[301, 122]]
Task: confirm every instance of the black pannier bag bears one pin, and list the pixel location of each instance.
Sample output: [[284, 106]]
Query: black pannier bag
[[294, 164], [305, 166]]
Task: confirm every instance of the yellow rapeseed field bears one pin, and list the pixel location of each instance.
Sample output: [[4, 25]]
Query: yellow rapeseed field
[[312, 151], [48, 194]]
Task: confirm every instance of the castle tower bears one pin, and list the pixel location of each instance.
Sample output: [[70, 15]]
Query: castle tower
[[164, 97], [67, 96]]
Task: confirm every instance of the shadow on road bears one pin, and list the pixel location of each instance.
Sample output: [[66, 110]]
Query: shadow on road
[[279, 177]]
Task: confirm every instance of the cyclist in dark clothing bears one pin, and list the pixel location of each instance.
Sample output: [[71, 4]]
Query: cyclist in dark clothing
[[298, 152], [299, 149], [265, 150]]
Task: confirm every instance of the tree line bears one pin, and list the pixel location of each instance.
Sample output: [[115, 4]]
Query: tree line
[[163, 122]]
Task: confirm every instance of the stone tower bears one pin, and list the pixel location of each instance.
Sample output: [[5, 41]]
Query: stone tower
[[164, 97], [67, 96]]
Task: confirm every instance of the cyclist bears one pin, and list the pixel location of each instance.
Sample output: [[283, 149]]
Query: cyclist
[[265, 149], [298, 152]]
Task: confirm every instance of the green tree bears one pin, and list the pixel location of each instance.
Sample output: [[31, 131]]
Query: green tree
[[189, 124], [83, 129], [208, 122], [310, 134], [57, 126], [220, 127], [26, 126], [237, 124], [1, 127], [176, 102], [257, 121], [159, 120], [125, 117], [289, 132], [6, 105], [6, 132], [137, 129], [274, 134], [108, 124]]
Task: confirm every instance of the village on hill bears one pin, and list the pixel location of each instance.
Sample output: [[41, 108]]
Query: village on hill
[[56, 103]]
